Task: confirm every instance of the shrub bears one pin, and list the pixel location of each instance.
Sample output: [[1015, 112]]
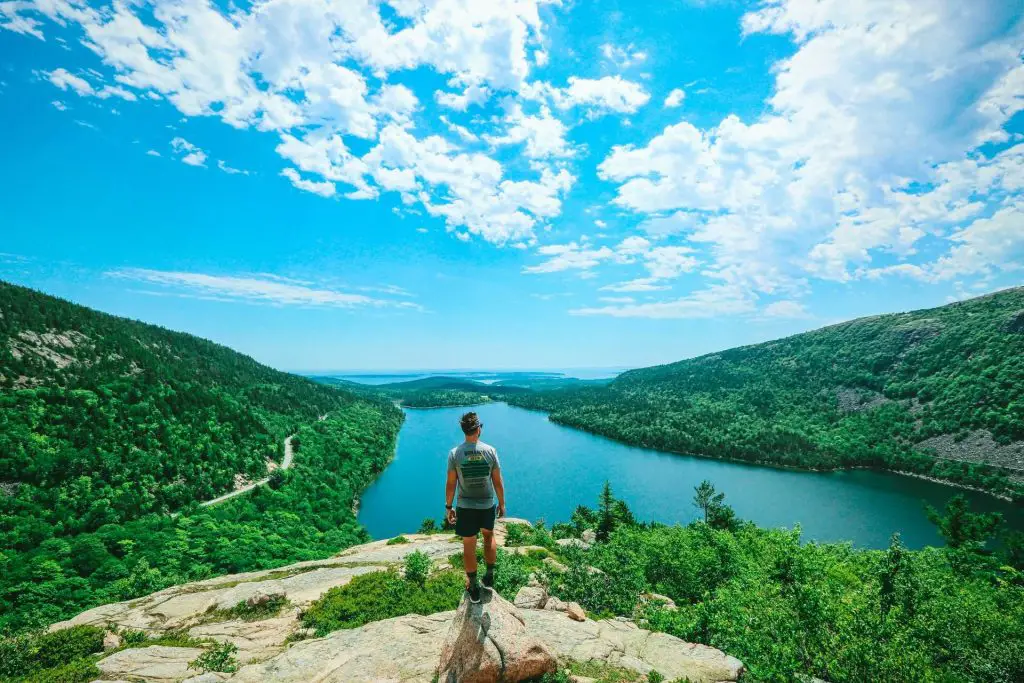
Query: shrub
[[417, 567], [266, 609], [397, 540], [429, 526], [516, 534], [26, 654], [382, 595], [220, 657], [78, 671]]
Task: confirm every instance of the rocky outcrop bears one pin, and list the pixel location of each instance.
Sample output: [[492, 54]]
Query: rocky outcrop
[[302, 583], [620, 642], [488, 642], [155, 663], [404, 649], [407, 649]]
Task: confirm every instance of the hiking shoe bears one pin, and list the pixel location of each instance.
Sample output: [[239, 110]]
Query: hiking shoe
[[488, 581], [474, 592]]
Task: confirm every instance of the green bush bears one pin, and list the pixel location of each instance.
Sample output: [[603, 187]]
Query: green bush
[[220, 657], [263, 610], [382, 595], [397, 540], [417, 567], [78, 671], [429, 526], [26, 654], [516, 534]]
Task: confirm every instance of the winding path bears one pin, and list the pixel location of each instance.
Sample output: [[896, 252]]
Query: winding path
[[289, 456]]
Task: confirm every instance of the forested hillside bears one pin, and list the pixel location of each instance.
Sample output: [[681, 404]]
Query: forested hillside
[[107, 425], [938, 392]]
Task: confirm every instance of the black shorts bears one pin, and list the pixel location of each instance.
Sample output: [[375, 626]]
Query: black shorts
[[469, 521]]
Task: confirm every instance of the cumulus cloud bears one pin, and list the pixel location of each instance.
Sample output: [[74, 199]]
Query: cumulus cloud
[[316, 74], [675, 98], [869, 144], [188, 153]]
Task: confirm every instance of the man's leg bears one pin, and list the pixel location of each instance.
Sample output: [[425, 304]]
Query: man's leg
[[490, 556], [469, 554], [469, 562]]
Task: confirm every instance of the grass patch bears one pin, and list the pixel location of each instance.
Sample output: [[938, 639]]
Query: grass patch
[[246, 612], [382, 595], [220, 657], [600, 672], [397, 540]]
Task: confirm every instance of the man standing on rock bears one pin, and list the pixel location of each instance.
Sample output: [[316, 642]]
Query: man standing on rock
[[473, 467]]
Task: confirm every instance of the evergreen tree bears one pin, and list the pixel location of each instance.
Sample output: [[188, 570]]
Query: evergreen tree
[[962, 528], [605, 513]]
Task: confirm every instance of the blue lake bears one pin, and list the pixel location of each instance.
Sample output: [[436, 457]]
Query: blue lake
[[550, 469]]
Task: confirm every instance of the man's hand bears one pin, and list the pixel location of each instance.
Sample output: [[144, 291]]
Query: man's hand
[[501, 510], [451, 515]]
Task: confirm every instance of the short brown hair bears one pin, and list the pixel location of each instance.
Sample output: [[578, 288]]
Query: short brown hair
[[470, 423]]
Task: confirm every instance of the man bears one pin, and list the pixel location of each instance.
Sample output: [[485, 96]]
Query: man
[[473, 467]]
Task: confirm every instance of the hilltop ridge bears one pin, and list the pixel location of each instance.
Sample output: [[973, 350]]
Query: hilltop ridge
[[936, 392]]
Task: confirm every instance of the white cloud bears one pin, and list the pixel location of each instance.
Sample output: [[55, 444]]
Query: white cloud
[[472, 95], [323, 188], [466, 134], [603, 95], [59, 106], [152, 153], [304, 70], [190, 154], [266, 289], [869, 143], [68, 81], [543, 134], [986, 244], [623, 57], [572, 256], [786, 309], [469, 188], [661, 262], [675, 98], [229, 170], [713, 302]]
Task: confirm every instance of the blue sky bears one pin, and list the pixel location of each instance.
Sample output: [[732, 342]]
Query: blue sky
[[457, 184]]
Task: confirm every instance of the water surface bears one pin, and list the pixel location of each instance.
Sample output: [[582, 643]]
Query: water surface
[[550, 469]]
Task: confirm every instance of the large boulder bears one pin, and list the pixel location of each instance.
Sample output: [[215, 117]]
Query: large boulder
[[488, 643], [620, 642], [156, 663], [402, 649], [531, 597]]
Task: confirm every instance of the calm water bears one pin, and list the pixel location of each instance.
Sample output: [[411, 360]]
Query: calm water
[[550, 469]]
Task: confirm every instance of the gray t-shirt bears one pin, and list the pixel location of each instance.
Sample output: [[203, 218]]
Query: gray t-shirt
[[474, 462]]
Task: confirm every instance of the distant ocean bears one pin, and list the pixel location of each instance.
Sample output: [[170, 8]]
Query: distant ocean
[[485, 376]]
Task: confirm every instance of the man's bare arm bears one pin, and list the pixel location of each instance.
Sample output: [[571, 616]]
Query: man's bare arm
[[499, 489], [449, 495]]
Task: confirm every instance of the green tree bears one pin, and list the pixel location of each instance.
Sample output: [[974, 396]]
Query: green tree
[[706, 498], [605, 513], [962, 528]]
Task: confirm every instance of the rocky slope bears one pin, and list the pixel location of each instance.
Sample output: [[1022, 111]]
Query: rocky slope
[[502, 641]]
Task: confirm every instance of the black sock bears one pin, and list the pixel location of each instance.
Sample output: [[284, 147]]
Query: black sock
[[472, 577], [490, 570]]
